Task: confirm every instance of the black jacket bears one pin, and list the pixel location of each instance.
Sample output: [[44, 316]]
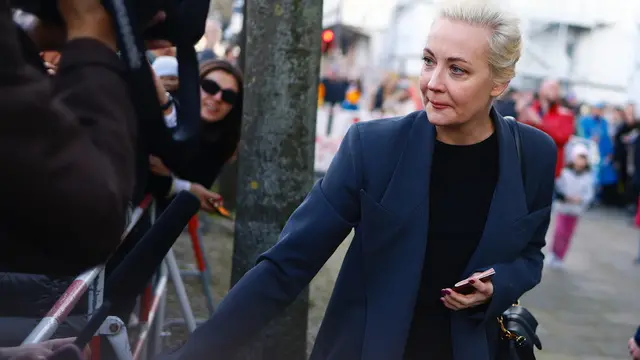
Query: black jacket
[[69, 145]]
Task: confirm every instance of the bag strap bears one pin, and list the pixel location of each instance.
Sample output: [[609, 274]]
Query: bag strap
[[514, 126], [515, 131]]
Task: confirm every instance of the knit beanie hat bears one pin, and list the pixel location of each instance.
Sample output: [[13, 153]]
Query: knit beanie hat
[[165, 66]]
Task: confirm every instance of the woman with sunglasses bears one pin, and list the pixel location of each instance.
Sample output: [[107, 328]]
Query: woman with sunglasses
[[220, 113], [193, 167]]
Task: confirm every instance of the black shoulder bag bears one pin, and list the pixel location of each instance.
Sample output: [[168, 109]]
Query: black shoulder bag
[[517, 325]]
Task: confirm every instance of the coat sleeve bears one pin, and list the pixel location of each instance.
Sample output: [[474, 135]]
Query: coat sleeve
[[514, 278], [66, 146], [312, 233]]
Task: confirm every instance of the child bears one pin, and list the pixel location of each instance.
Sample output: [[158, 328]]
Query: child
[[574, 192]]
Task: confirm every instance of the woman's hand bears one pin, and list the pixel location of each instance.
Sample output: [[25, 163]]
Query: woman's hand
[[482, 294], [51, 60], [634, 350], [209, 200], [158, 167], [51, 68]]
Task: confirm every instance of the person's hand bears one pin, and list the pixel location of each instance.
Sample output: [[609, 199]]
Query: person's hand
[[209, 200], [456, 301], [634, 350], [51, 68], [41, 350], [87, 19], [51, 60], [158, 167]]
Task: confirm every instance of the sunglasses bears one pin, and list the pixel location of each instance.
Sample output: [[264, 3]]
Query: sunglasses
[[213, 88]]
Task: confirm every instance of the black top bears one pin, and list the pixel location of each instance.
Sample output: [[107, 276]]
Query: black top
[[201, 164], [463, 180]]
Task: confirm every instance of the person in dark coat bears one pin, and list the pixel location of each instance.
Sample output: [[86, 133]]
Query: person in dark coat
[[402, 185], [196, 169], [67, 154], [623, 142]]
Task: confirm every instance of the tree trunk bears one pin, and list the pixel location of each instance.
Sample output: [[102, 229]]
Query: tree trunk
[[275, 162]]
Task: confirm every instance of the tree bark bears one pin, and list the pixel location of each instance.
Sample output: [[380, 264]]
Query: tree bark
[[275, 162]]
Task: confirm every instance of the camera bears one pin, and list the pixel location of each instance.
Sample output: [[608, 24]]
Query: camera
[[183, 26]]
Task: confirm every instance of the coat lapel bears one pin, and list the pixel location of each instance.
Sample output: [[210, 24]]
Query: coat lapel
[[393, 277], [409, 184], [509, 200]]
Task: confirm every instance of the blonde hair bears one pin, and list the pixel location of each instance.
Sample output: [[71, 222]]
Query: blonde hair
[[505, 43]]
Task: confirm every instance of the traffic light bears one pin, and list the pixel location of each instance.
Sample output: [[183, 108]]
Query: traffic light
[[328, 37]]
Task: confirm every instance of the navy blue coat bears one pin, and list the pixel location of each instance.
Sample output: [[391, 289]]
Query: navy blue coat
[[378, 183]]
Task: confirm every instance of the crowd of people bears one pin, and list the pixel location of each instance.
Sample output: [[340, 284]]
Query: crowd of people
[[596, 152], [76, 151]]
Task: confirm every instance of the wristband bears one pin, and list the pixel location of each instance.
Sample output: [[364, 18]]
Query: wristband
[[168, 104]]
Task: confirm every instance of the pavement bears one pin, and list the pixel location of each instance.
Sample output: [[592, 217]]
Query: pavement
[[590, 308]]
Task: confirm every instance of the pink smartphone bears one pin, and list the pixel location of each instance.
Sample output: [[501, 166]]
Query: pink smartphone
[[465, 288]]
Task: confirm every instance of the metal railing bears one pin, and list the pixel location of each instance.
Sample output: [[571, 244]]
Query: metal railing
[[152, 301]]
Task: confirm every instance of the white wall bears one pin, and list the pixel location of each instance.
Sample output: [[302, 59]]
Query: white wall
[[407, 38], [634, 85], [365, 14], [605, 64], [544, 55]]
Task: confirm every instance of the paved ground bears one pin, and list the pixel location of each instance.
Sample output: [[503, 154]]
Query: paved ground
[[587, 311]]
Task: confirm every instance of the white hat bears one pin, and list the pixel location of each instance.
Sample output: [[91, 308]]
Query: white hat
[[165, 66], [579, 150]]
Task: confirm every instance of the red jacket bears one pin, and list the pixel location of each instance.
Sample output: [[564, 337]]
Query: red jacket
[[558, 123]]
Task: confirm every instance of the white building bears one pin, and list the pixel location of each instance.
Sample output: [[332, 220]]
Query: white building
[[591, 45]]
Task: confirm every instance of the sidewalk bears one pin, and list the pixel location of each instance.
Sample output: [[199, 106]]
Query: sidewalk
[[588, 310]]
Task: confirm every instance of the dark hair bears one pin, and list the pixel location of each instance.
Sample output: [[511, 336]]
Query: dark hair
[[226, 131]]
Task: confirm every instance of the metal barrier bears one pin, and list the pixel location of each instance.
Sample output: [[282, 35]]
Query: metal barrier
[[152, 301], [88, 279]]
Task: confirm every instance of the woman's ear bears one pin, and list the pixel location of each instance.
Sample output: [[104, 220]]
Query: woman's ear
[[498, 89]]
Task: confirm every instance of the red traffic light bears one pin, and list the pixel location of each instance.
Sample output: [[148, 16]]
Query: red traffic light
[[328, 36]]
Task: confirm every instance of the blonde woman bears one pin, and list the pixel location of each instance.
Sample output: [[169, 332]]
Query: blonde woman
[[435, 197]]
